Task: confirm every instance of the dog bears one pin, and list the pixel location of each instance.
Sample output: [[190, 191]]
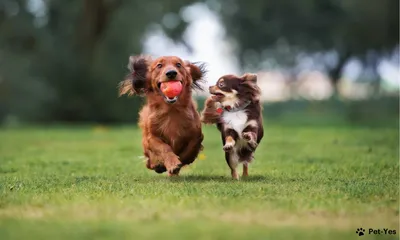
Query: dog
[[234, 106], [171, 127]]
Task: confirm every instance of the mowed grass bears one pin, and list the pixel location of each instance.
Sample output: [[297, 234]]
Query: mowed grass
[[306, 183]]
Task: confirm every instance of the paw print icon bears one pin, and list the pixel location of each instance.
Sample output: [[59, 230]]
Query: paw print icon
[[360, 231]]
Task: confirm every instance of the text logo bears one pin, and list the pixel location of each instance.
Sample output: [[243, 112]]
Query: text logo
[[383, 231]]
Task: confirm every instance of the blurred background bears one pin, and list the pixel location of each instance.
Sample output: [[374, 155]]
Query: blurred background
[[317, 60]]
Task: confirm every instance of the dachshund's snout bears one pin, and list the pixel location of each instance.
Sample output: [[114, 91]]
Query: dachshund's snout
[[171, 74]]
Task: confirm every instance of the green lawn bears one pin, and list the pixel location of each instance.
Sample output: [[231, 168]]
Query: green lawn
[[306, 183]]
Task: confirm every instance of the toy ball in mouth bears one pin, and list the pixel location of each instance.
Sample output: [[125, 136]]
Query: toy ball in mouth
[[171, 89]]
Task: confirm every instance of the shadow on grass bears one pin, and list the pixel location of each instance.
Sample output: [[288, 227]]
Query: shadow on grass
[[209, 178], [216, 178]]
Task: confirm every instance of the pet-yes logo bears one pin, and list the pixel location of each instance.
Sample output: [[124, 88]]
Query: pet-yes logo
[[384, 231]]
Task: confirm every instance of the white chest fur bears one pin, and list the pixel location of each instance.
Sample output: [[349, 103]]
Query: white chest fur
[[235, 120]]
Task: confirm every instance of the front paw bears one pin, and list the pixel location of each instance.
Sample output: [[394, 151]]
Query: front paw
[[252, 144], [248, 136], [228, 146], [175, 171], [173, 165], [158, 168], [251, 140]]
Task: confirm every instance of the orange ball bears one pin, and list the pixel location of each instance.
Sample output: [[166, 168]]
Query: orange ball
[[171, 89]]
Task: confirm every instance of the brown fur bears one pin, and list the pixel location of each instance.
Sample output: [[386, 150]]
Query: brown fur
[[209, 114], [171, 132], [236, 94]]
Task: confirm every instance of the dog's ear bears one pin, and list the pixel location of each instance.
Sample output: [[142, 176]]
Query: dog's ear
[[197, 71], [136, 82], [249, 86], [125, 87], [250, 77]]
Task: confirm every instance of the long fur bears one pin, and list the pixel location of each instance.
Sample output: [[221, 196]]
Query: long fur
[[240, 121], [135, 82], [171, 133], [210, 115], [198, 75]]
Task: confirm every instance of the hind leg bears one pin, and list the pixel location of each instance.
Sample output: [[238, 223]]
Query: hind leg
[[245, 169], [232, 161], [246, 157], [229, 138]]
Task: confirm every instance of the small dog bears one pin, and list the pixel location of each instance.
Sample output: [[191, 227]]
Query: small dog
[[236, 110], [171, 127]]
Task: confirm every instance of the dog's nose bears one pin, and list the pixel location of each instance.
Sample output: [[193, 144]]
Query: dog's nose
[[171, 74]]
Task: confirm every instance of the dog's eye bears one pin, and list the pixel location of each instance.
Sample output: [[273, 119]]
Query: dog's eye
[[221, 84], [159, 65], [178, 65]]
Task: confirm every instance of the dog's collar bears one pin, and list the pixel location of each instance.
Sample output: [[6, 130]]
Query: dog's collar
[[234, 109]]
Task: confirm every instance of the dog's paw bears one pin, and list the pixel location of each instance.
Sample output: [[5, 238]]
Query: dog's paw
[[252, 144], [173, 166], [160, 169], [217, 105], [248, 136], [251, 140], [175, 171], [228, 146]]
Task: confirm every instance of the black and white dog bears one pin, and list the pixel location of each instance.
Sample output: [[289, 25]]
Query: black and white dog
[[236, 110]]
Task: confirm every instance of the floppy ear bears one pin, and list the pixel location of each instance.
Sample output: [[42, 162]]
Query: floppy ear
[[136, 82], [197, 71], [125, 87]]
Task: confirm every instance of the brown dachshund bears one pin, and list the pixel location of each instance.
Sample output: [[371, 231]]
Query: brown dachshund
[[171, 127]]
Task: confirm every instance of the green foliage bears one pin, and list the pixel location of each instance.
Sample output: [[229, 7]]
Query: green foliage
[[65, 65], [375, 112], [306, 183], [352, 28], [68, 67]]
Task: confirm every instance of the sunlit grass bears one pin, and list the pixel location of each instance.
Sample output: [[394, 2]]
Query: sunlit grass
[[306, 183]]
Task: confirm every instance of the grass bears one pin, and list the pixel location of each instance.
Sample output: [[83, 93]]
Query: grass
[[306, 183]]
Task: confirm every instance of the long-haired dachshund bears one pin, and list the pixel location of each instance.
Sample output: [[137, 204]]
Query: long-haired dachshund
[[171, 127], [236, 110]]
